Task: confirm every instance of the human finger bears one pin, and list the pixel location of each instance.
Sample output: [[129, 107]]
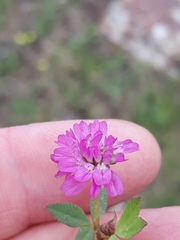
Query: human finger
[[28, 179], [163, 223]]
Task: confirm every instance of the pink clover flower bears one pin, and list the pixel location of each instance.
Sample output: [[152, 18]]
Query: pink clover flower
[[85, 154]]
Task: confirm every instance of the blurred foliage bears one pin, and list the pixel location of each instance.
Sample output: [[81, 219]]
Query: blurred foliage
[[25, 108], [55, 65], [4, 5], [23, 38], [47, 12], [9, 60]]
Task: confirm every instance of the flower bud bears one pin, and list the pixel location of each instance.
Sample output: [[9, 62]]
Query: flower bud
[[107, 229]]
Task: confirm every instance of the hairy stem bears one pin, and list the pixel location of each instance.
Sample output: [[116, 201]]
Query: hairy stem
[[96, 220]]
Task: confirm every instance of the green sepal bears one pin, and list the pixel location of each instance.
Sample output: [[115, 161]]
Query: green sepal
[[102, 203], [85, 233], [69, 214]]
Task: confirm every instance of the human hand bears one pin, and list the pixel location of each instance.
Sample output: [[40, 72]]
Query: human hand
[[28, 183]]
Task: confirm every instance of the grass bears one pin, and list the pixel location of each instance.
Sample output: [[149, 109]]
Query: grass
[[81, 75]]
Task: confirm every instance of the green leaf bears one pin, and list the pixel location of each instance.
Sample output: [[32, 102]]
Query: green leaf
[[85, 233], [130, 212], [129, 223], [92, 209], [69, 214], [102, 203], [132, 229], [113, 237]]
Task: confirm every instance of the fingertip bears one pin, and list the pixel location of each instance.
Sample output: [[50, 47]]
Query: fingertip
[[142, 166]]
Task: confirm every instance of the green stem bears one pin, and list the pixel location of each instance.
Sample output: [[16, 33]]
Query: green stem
[[96, 220]]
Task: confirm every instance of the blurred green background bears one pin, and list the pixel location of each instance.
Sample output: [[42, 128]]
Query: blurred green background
[[55, 65]]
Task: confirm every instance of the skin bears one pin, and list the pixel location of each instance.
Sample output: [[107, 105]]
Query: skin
[[28, 183]]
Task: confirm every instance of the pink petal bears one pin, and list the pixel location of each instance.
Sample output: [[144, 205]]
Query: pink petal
[[89, 154], [107, 157], [83, 174], [84, 127], [97, 138], [118, 158], [94, 127], [97, 154], [63, 140], [102, 177], [83, 147], [127, 141], [115, 187], [70, 134], [60, 174], [71, 187], [63, 151], [54, 158], [94, 190], [129, 146], [107, 176], [69, 164], [97, 176], [77, 130], [81, 130], [109, 141], [103, 127], [86, 152], [75, 150]]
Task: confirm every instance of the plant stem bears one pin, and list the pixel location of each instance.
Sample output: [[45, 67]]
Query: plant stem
[[96, 220]]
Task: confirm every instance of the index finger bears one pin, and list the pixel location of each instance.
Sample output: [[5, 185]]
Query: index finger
[[27, 174]]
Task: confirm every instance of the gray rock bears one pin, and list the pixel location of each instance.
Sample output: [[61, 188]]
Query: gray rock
[[149, 30]]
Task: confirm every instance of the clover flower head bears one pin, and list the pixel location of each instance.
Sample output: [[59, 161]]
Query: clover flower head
[[85, 154]]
